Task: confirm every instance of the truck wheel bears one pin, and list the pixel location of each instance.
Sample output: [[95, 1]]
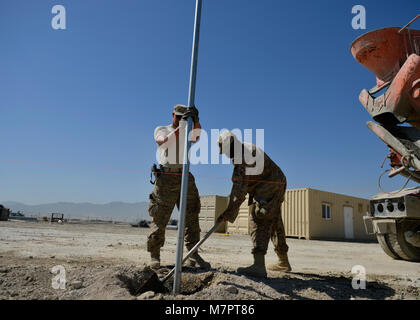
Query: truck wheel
[[400, 245], [385, 243]]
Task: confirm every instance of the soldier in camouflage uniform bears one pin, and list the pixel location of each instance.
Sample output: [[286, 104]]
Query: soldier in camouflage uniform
[[167, 188], [266, 188]]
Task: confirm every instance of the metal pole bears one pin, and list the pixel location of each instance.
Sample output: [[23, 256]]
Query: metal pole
[[186, 162], [193, 249]]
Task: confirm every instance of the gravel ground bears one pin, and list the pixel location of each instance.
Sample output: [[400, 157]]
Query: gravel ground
[[102, 261]]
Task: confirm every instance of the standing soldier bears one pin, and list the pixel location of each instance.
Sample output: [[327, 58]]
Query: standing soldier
[[266, 189], [166, 192]]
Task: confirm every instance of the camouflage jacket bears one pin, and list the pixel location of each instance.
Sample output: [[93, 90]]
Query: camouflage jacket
[[265, 186]]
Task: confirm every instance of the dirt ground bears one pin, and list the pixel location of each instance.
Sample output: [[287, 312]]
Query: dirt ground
[[102, 261]]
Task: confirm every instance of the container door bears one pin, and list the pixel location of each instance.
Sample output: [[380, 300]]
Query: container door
[[348, 223]]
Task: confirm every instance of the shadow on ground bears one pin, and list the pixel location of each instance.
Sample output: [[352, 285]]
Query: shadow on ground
[[295, 285]]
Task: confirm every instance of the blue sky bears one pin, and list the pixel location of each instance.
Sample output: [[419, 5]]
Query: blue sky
[[75, 102]]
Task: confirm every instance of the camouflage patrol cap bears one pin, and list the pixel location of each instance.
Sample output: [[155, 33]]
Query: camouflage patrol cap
[[180, 109]]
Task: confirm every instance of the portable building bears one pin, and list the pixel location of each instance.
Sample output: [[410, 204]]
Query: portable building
[[314, 214]]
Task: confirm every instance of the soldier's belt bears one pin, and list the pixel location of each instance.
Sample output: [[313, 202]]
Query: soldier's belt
[[175, 170]]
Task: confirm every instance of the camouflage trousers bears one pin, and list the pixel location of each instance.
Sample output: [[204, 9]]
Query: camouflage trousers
[[268, 224], [163, 198]]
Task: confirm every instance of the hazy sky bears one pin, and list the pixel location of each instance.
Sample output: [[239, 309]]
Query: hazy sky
[[77, 104]]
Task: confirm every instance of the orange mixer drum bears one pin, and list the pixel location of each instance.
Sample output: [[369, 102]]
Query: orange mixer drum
[[384, 51], [394, 57]]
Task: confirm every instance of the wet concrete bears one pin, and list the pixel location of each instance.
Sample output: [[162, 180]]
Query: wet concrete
[[146, 279], [141, 281]]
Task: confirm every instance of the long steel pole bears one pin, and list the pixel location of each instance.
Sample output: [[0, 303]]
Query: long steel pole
[[187, 144]]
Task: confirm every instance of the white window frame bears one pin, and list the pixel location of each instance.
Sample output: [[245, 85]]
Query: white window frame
[[327, 216]]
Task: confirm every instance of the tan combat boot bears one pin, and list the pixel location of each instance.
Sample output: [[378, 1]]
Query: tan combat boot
[[282, 265], [197, 260], [257, 269], [155, 260]]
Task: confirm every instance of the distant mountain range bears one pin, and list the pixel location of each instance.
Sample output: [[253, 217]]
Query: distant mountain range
[[120, 211]]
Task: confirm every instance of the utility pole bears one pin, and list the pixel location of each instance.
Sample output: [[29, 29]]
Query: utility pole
[[187, 144]]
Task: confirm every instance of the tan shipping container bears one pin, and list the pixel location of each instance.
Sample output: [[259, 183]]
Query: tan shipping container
[[241, 224], [211, 208], [315, 214], [295, 213], [345, 220]]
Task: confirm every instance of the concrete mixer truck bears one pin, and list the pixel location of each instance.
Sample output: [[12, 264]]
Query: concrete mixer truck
[[393, 55]]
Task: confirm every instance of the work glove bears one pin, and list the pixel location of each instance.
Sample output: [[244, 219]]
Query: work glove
[[225, 216], [193, 113], [260, 210]]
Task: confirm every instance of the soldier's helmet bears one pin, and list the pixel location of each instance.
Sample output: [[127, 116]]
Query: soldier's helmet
[[226, 141]]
